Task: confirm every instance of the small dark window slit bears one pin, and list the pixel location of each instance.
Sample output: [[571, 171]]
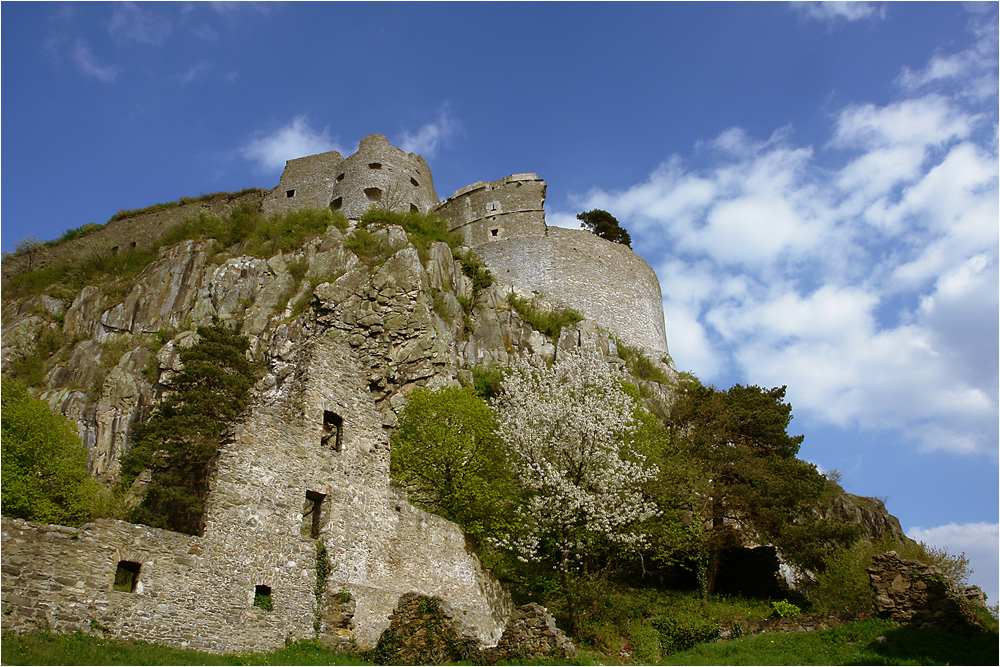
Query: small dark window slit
[[333, 430], [312, 515]]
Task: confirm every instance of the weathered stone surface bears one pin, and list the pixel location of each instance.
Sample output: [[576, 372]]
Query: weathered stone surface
[[909, 591]]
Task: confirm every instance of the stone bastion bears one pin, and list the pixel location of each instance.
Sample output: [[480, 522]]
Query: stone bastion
[[378, 174], [504, 221]]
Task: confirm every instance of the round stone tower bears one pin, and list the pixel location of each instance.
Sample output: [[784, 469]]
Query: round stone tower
[[378, 174], [382, 175]]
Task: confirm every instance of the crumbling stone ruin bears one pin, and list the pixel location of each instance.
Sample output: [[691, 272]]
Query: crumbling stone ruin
[[909, 591], [427, 631]]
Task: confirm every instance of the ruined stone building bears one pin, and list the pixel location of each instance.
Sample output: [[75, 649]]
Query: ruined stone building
[[309, 463]]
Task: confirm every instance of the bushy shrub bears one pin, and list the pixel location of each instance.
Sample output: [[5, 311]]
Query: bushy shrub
[[844, 584], [44, 466], [475, 268], [680, 635], [785, 609], [371, 249], [639, 364]]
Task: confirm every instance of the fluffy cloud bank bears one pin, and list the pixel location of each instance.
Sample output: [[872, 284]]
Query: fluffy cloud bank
[[863, 273]]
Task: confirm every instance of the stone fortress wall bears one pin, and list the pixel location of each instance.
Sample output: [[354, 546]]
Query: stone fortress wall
[[508, 208], [504, 221], [607, 282], [377, 174], [309, 465]]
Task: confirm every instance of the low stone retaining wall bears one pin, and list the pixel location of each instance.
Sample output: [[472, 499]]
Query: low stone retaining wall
[[909, 591]]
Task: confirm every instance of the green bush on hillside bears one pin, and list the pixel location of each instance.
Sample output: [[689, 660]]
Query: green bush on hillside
[[44, 466]]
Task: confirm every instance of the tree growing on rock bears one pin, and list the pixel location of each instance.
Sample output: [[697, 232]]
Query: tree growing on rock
[[180, 440], [569, 428], [603, 224]]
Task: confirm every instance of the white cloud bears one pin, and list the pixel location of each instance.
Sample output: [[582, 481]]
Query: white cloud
[[926, 121], [835, 11], [130, 22], [194, 73], [430, 137], [863, 275], [979, 542], [297, 139], [88, 64]]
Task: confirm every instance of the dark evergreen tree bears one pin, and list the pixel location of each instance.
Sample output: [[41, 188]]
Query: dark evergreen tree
[[605, 225], [179, 441]]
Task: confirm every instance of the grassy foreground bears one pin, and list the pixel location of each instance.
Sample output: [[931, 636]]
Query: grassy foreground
[[871, 642]]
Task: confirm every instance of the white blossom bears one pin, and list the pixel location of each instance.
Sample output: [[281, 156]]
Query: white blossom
[[570, 427]]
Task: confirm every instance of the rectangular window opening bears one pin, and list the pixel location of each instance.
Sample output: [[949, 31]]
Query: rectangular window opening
[[374, 165], [495, 231], [290, 193], [333, 430], [127, 576], [312, 514], [262, 597]]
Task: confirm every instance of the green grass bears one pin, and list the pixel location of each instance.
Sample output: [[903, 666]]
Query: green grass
[[853, 644], [47, 648], [548, 321], [639, 364], [244, 228], [128, 213]]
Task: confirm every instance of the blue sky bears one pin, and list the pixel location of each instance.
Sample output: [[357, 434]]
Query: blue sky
[[816, 184]]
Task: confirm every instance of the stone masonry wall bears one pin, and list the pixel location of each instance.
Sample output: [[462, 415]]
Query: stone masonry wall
[[377, 174], [605, 281], [909, 591], [506, 208], [306, 182], [309, 464]]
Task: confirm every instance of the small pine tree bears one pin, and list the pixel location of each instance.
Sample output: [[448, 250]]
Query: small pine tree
[[605, 225]]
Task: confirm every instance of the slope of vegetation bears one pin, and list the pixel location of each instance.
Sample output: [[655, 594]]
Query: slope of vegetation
[[244, 230]]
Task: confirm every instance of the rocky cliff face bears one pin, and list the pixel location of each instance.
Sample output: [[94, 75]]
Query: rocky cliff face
[[108, 353], [113, 357]]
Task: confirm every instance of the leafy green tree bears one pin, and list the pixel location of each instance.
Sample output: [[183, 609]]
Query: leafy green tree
[[605, 225], [181, 438], [446, 454], [44, 466]]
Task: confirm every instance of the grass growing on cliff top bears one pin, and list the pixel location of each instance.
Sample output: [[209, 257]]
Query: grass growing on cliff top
[[245, 226], [548, 321], [128, 213]]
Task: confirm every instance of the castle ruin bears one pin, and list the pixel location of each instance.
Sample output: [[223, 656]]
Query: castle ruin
[[309, 464]]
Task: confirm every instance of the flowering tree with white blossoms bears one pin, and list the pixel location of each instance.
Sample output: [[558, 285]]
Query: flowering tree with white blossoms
[[569, 428]]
